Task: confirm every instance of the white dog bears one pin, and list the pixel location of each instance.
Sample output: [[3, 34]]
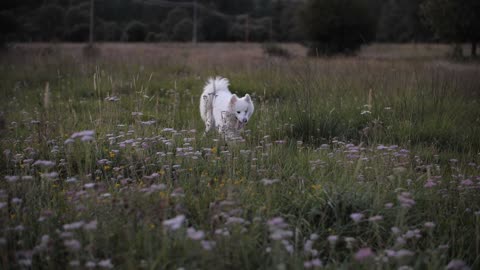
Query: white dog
[[222, 110]]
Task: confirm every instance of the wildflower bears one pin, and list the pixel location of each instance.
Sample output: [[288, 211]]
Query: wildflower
[[268, 182], [207, 245], [148, 123], [74, 225], [90, 264], [403, 253], [16, 200], [112, 98], [235, 220], [313, 263], [44, 163], [105, 264], [87, 134], [2, 204], [50, 175], [457, 265], [365, 112], [395, 230], [429, 225], [356, 217], [405, 200], [71, 180], [11, 178], [73, 245], [332, 239], [174, 223], [466, 182], [178, 192], [375, 218], [74, 263], [430, 183], [92, 225], [388, 205], [89, 185], [350, 241], [194, 234], [363, 254]]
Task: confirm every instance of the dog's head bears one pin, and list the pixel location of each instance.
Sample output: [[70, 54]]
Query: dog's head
[[242, 108]]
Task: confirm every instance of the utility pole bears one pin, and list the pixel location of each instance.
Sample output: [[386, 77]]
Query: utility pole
[[92, 12], [247, 30], [194, 34]]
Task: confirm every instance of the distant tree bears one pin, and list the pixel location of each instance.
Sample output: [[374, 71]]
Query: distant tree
[[400, 21], [78, 33], [155, 37], [183, 30], [51, 20], [337, 26], [8, 26], [455, 21], [135, 31], [111, 31], [214, 28], [77, 15], [175, 16]]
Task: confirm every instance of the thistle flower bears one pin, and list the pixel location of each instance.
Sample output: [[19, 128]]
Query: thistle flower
[[174, 223], [105, 264], [73, 244], [194, 234], [363, 254], [356, 217], [74, 225], [332, 239]]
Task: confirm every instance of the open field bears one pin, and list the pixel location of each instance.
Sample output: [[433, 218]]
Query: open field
[[368, 162]]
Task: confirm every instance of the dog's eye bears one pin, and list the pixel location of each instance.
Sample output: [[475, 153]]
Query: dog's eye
[[238, 111]]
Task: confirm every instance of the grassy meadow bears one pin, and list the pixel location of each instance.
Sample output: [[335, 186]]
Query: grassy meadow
[[366, 162]]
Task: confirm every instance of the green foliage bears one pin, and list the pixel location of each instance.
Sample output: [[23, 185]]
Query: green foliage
[[412, 172], [174, 17], [337, 26], [454, 21], [214, 27], [8, 25], [50, 20], [78, 33], [183, 30], [400, 21], [111, 31], [135, 31]]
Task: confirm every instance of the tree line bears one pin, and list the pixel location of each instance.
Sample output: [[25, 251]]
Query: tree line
[[327, 26]]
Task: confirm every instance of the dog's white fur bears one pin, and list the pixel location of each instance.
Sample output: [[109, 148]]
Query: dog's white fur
[[222, 110]]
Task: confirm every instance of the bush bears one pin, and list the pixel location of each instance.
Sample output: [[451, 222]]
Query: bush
[[78, 33], [337, 26], [8, 26], [135, 31], [155, 37], [77, 15], [51, 19], [215, 28], [183, 30], [273, 49], [111, 31]]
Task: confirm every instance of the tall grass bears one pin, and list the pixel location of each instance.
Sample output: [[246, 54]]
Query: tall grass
[[353, 163]]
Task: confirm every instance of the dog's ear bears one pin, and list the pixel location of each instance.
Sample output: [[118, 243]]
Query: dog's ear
[[233, 100], [247, 98]]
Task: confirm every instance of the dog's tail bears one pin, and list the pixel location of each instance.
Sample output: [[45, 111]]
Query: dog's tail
[[215, 85]]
